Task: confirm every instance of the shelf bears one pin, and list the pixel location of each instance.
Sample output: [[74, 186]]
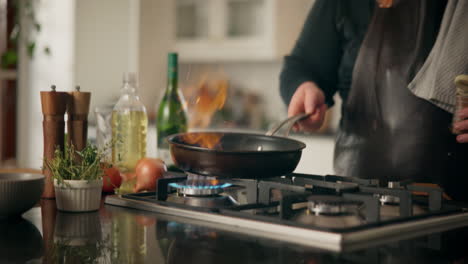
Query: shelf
[[237, 30]]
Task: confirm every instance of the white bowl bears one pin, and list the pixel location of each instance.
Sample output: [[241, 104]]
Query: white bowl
[[19, 192], [78, 195]]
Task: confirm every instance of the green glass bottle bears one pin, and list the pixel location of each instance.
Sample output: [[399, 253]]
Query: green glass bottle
[[171, 118]]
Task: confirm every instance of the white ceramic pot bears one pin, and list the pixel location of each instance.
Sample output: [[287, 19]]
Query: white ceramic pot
[[78, 195]]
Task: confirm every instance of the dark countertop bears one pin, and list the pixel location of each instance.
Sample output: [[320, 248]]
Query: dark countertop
[[118, 235]]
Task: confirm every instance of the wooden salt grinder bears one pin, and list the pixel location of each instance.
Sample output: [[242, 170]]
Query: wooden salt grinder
[[54, 105], [77, 123]]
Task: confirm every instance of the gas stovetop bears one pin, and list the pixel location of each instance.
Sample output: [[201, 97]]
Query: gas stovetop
[[328, 212]]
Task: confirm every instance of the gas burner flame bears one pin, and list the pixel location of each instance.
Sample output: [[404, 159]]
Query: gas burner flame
[[195, 181], [200, 186], [188, 185]]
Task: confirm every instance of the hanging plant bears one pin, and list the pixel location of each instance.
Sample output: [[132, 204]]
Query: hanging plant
[[19, 34]]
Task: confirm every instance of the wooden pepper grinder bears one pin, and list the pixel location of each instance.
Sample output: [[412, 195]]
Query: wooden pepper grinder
[[77, 123], [54, 105], [48, 213]]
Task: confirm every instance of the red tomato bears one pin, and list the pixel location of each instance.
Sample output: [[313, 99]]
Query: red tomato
[[111, 179]]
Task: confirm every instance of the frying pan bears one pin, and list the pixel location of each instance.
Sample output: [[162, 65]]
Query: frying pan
[[239, 155]]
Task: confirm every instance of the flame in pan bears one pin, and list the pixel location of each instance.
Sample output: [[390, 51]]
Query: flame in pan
[[210, 97], [204, 140]]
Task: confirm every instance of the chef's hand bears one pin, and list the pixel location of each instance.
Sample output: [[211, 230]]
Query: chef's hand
[[462, 125], [308, 98]]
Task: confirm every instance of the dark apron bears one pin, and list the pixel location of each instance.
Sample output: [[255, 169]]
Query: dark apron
[[387, 132]]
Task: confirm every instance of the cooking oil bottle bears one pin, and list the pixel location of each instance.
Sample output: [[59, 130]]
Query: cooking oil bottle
[[129, 126]]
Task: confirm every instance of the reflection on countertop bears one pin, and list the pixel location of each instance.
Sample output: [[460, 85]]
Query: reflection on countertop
[[118, 235], [20, 241]]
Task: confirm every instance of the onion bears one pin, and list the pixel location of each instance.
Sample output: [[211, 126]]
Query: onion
[[148, 171]]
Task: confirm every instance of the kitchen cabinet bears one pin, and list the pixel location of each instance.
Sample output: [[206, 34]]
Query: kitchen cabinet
[[237, 30]]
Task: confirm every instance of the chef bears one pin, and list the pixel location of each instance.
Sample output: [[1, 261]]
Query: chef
[[393, 64]]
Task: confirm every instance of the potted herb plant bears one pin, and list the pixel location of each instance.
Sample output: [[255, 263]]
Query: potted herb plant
[[77, 178]]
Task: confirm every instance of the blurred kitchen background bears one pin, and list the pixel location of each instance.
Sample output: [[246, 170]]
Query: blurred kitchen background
[[91, 43]]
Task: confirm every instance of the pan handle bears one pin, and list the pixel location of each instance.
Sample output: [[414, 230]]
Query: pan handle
[[290, 122]]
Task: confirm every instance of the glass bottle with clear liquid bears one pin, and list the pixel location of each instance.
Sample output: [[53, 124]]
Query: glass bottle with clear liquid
[[171, 118], [129, 126]]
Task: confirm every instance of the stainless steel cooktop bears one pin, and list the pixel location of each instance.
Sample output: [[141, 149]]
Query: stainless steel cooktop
[[328, 212]]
